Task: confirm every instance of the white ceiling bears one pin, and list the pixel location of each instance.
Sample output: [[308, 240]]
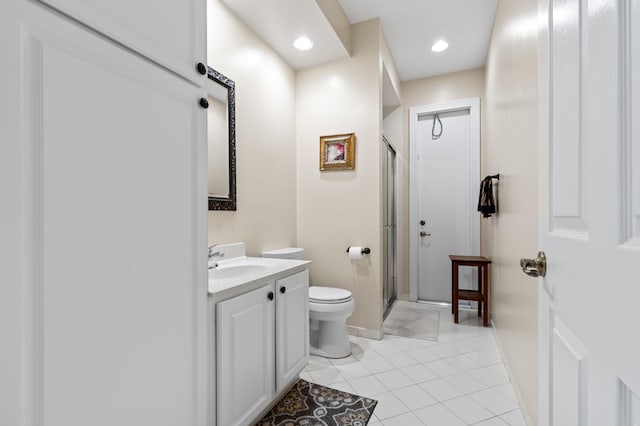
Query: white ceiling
[[280, 22], [410, 26]]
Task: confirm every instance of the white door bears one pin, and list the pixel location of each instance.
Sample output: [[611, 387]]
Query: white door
[[102, 256], [245, 358], [589, 371], [445, 174], [171, 33], [292, 328]]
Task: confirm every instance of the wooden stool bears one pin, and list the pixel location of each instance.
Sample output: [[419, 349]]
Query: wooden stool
[[484, 286]]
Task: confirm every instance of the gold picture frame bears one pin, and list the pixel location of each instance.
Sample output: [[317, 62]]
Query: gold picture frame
[[338, 152]]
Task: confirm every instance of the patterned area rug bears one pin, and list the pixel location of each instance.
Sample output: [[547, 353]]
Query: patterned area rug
[[310, 404], [416, 320]]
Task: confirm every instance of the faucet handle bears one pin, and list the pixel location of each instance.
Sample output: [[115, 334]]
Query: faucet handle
[[212, 253]]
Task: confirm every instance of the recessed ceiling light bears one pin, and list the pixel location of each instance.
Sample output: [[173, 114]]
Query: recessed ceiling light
[[439, 46], [303, 43]]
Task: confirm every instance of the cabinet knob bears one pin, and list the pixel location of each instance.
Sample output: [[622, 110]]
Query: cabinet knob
[[202, 68], [270, 295], [204, 103], [283, 289]]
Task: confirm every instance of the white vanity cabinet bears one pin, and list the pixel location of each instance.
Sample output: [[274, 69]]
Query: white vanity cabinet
[[261, 346]]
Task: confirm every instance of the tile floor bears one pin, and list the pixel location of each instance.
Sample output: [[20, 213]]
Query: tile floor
[[458, 380]]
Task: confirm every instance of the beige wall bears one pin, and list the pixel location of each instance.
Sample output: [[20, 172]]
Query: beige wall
[[265, 136], [337, 209], [511, 150], [425, 91], [338, 20], [392, 125]]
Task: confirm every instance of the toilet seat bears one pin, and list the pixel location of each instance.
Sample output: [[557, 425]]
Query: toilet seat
[[328, 295]]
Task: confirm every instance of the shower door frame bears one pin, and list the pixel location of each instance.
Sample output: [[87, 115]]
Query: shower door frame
[[390, 279]]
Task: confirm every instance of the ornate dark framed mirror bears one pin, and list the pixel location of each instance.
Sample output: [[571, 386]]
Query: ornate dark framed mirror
[[221, 137]]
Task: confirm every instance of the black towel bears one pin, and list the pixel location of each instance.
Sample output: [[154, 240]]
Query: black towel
[[486, 202]]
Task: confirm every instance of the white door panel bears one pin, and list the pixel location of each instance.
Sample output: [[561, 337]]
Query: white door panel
[[588, 209], [569, 377], [245, 356], [445, 203], [630, 62], [292, 328], [171, 33], [445, 179]]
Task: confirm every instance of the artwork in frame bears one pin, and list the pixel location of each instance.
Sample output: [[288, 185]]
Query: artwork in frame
[[338, 152]]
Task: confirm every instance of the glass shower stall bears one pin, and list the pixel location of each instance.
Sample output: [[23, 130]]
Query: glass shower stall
[[389, 226]]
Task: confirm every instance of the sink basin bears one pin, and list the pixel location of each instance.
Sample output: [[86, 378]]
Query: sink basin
[[235, 271]]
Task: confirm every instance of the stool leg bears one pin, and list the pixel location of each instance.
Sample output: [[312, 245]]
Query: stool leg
[[455, 293], [485, 295], [479, 288], [453, 281]]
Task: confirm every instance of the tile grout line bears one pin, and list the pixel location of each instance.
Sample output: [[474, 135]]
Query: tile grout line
[[390, 355]]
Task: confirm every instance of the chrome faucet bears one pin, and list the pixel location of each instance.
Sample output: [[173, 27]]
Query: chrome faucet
[[214, 254]]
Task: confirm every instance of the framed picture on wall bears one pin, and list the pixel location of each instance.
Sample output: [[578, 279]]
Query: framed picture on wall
[[338, 152]]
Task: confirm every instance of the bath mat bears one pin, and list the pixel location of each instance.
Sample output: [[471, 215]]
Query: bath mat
[[310, 404], [415, 320]]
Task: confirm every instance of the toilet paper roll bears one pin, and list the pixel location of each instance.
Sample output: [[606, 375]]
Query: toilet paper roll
[[355, 252]]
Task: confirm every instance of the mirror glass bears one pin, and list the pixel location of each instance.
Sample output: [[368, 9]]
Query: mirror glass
[[221, 141]]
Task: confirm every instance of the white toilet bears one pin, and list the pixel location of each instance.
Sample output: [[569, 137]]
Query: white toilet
[[329, 309]]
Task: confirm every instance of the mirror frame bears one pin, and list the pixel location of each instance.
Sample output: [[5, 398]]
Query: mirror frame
[[230, 202]]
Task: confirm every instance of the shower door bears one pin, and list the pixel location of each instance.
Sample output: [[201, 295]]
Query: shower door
[[389, 228]]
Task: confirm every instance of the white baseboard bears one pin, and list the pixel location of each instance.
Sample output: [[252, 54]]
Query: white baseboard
[[365, 332], [514, 384]]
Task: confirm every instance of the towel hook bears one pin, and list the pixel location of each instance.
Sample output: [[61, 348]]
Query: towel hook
[[435, 136]]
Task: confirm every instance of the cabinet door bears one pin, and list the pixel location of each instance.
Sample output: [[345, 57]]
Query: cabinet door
[[245, 355], [171, 33], [292, 328], [103, 224]]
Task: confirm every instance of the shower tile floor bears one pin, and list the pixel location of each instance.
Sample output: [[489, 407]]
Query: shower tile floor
[[458, 380]]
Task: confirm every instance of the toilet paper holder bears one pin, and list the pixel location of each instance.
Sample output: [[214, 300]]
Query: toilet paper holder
[[365, 250]]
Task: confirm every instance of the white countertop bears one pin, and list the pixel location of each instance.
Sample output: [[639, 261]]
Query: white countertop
[[267, 268]]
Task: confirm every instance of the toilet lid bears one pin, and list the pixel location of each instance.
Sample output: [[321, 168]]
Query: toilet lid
[[285, 253], [328, 294]]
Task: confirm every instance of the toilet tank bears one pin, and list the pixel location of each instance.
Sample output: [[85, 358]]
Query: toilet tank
[[285, 253]]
